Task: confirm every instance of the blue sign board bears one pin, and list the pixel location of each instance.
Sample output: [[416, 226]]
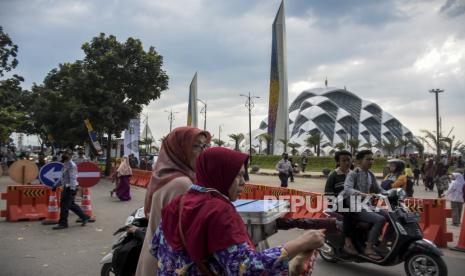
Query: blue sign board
[[50, 174]]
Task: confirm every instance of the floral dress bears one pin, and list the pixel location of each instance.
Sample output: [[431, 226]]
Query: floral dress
[[238, 259]]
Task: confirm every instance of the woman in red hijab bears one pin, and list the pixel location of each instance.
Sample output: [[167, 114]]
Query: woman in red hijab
[[202, 234], [173, 174]]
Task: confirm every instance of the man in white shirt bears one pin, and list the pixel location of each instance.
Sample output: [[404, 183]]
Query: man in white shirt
[[284, 167]]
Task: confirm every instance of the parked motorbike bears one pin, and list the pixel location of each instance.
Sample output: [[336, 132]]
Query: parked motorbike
[[127, 245], [405, 242]]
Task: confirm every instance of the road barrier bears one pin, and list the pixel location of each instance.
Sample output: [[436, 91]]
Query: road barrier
[[25, 202], [433, 212], [461, 243], [140, 178]]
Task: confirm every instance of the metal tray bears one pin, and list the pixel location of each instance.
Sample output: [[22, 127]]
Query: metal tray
[[261, 211]]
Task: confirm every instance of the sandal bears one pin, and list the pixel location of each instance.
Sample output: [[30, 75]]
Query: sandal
[[374, 256]]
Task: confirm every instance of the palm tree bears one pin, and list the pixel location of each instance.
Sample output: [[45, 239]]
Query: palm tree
[[267, 138], [430, 139], [418, 145], [388, 146], [294, 147], [450, 146], [368, 145], [237, 140], [284, 142], [354, 143], [340, 146], [403, 143], [314, 140], [218, 142]]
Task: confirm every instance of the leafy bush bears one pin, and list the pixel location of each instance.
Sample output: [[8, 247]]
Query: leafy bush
[[315, 164]]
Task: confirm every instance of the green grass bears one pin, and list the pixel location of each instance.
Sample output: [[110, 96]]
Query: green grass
[[314, 164]]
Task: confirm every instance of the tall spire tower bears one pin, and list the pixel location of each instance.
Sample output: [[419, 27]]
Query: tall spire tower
[[192, 108], [278, 113]]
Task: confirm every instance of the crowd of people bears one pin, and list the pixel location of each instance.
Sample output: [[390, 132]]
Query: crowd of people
[[194, 229]]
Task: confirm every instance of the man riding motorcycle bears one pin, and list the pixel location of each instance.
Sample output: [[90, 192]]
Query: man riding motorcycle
[[362, 182]]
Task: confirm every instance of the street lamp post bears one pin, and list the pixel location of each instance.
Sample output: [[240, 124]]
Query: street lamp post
[[171, 118], [204, 111], [249, 104], [438, 133]]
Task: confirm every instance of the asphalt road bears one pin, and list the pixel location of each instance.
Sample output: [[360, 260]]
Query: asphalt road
[[29, 248]]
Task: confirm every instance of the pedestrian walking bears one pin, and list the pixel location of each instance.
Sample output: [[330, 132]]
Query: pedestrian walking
[[291, 172], [416, 176], [429, 175], [441, 179], [69, 184], [284, 167], [303, 162], [80, 158], [123, 176], [133, 161], [456, 197]]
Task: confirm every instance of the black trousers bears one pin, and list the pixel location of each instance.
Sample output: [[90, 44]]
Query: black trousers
[[377, 219], [284, 178], [67, 203]]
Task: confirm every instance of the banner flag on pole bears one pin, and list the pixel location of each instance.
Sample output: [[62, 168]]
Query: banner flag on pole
[[93, 137]]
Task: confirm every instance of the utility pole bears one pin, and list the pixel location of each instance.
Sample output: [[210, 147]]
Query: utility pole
[[438, 133], [204, 111], [171, 118], [249, 104]]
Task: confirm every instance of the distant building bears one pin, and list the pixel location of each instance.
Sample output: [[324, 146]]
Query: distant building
[[338, 115]]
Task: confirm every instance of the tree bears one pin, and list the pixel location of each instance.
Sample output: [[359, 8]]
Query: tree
[[430, 139], [109, 86], [294, 147], [218, 142], [354, 143], [450, 146], [14, 100], [147, 142], [284, 141], [314, 140], [340, 146], [368, 145], [238, 138], [388, 146], [418, 145], [267, 138], [403, 144], [8, 53]]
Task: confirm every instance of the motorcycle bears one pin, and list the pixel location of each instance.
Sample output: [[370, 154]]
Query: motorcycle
[[404, 242], [127, 245]]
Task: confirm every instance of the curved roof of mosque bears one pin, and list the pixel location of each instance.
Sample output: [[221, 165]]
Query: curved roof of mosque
[[339, 115]]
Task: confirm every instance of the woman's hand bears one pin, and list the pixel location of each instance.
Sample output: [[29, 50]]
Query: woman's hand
[[311, 239]]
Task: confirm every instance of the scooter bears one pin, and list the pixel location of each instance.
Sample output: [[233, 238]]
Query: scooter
[[405, 242], [127, 245]]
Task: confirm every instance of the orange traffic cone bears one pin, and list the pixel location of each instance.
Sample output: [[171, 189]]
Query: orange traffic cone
[[461, 244], [53, 214], [86, 205]]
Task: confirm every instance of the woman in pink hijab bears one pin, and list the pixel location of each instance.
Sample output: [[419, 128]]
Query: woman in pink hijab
[[173, 175]]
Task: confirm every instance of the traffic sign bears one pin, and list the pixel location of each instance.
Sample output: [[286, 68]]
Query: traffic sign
[[23, 171], [50, 174], [88, 174]]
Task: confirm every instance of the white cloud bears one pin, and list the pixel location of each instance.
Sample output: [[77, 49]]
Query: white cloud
[[390, 52]]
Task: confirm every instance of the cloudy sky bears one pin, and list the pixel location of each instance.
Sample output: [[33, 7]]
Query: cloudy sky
[[389, 52]]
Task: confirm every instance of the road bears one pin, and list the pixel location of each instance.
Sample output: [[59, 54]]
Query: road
[[30, 248]]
